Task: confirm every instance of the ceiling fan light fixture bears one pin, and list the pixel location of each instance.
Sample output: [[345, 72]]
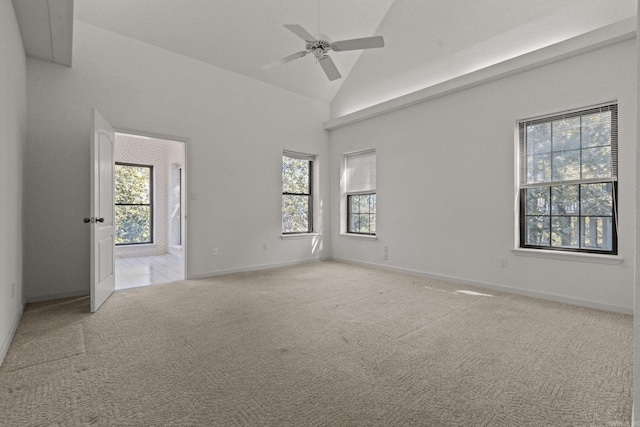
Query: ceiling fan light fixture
[[319, 45]]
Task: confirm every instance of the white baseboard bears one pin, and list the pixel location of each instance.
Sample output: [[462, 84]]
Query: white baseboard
[[501, 288], [256, 267], [7, 341], [61, 295]]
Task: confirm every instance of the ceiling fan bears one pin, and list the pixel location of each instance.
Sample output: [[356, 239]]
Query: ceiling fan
[[321, 45]]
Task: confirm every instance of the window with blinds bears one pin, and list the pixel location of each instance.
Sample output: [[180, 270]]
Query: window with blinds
[[568, 181], [297, 198], [360, 186]]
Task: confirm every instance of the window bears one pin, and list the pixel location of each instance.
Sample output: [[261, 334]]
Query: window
[[133, 200], [568, 181], [360, 174], [297, 200]]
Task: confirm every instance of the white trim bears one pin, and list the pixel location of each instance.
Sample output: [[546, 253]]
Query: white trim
[[501, 288], [60, 295], [359, 236], [602, 37], [298, 155], [255, 267], [569, 256], [12, 332], [299, 236]]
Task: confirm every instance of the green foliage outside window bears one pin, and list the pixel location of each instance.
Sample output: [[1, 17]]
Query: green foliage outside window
[[569, 180], [133, 195], [296, 195]]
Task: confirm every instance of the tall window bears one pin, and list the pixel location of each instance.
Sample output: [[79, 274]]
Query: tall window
[[133, 200], [569, 181], [297, 199], [360, 174]]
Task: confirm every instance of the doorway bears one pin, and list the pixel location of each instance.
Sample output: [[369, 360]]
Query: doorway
[[149, 210]]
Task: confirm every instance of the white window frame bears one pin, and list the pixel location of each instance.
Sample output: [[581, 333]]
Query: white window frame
[[366, 186]]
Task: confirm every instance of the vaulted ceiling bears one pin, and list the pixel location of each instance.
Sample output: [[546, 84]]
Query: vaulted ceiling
[[426, 42]]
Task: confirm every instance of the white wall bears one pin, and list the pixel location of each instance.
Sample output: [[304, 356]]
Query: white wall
[[235, 128], [445, 181], [12, 135]]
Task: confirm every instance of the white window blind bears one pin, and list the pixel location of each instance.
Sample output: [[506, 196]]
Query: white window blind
[[360, 172]]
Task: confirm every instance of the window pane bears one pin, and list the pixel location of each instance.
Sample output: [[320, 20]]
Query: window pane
[[132, 184], [537, 201], [564, 200], [596, 129], [355, 204], [564, 231], [295, 214], [133, 224], [596, 162], [354, 225], [364, 224], [596, 233], [362, 218], [295, 175], [566, 165], [537, 230], [539, 168], [596, 199], [566, 134], [539, 138]]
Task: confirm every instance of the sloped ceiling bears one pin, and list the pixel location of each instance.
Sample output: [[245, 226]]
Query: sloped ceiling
[[426, 42], [243, 35]]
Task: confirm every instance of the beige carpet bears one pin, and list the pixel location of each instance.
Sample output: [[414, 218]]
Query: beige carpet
[[321, 344]]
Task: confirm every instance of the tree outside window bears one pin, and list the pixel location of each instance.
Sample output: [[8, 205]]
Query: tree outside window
[[297, 203], [568, 181], [133, 204]]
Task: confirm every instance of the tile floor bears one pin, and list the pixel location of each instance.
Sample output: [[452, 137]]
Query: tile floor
[[133, 272]]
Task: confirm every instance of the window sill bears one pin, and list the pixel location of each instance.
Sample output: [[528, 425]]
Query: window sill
[[359, 236], [299, 236], [569, 256]]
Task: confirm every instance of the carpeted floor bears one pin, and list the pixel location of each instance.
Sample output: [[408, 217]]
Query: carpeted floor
[[320, 344]]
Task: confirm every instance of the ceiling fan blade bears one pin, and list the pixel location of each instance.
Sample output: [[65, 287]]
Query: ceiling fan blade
[[285, 60], [329, 68], [353, 44], [300, 32]]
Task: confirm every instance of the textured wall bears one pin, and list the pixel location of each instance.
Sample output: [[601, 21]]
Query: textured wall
[[148, 152]]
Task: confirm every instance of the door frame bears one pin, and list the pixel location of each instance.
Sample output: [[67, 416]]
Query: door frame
[[183, 199]]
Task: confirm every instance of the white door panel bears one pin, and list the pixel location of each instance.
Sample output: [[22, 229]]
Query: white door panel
[[102, 211]]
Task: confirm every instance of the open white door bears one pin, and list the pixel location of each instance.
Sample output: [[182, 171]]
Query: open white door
[[102, 211]]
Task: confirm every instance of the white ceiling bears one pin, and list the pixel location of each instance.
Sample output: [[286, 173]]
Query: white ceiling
[[429, 42], [243, 35], [426, 42]]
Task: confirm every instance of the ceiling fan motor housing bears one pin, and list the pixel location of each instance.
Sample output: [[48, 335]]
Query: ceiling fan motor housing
[[319, 47]]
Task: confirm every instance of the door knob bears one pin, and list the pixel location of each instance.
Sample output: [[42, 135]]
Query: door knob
[[86, 220], [99, 219]]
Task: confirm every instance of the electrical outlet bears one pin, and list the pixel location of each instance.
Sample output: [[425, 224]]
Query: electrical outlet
[[215, 251], [265, 246], [385, 252], [502, 263]]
